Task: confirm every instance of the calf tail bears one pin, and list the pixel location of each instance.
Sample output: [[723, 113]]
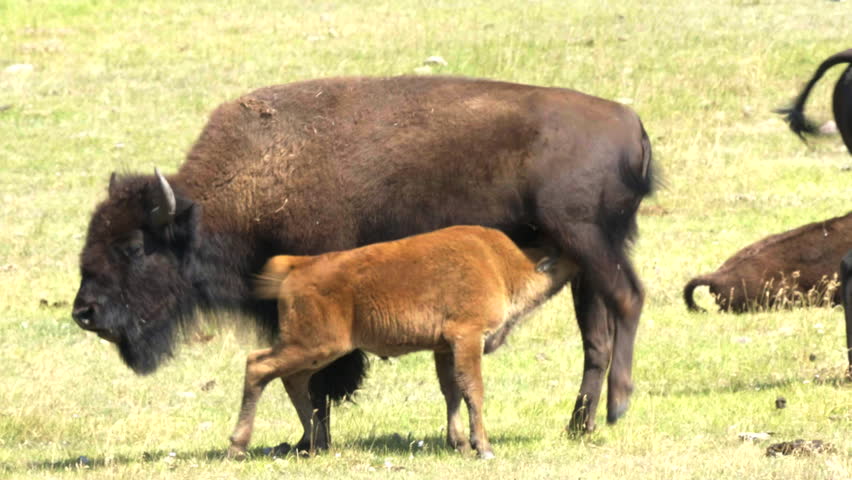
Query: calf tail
[[268, 284], [795, 115], [690, 287]]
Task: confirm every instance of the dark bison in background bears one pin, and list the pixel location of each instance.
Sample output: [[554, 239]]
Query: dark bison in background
[[780, 269], [333, 164], [842, 106]]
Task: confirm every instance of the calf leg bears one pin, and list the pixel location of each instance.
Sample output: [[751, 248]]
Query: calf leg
[[467, 353], [597, 350], [453, 396], [263, 366]]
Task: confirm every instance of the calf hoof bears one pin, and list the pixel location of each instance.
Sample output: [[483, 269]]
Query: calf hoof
[[236, 453]]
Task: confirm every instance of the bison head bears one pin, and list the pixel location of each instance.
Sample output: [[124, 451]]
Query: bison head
[[135, 268]]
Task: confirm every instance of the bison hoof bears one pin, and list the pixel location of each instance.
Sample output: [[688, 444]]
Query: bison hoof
[[236, 453], [616, 412]]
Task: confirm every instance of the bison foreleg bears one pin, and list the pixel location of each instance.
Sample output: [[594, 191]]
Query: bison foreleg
[[452, 395], [846, 292]]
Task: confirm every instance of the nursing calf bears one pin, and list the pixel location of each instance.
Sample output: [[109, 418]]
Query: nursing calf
[[456, 291], [779, 267]]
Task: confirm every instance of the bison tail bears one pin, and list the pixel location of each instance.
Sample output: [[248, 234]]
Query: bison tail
[[642, 179], [795, 115], [687, 293], [268, 284]]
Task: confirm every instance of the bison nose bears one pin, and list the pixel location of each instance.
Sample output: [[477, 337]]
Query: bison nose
[[84, 316]]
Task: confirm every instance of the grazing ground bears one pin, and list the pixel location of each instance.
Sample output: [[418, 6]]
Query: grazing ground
[[127, 85]]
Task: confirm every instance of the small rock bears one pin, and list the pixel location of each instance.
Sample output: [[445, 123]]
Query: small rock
[[780, 403], [423, 70], [19, 68], [828, 128], [186, 395], [624, 100], [435, 60], [754, 436], [208, 386]]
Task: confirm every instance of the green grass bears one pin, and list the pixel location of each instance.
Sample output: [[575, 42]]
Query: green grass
[[128, 85]]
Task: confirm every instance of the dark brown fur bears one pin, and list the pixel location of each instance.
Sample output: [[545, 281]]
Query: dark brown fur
[[333, 164], [796, 261], [454, 291]]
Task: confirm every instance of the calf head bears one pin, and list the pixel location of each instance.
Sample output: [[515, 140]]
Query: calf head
[[135, 269]]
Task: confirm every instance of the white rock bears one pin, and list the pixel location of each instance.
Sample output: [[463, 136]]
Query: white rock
[[435, 60], [19, 68]]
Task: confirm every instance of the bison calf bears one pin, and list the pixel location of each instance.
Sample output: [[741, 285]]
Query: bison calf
[[456, 291], [778, 267]]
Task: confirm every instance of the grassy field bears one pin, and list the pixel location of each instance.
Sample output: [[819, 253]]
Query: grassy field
[[128, 85]]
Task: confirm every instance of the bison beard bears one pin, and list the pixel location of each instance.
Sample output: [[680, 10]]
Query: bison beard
[[327, 165]]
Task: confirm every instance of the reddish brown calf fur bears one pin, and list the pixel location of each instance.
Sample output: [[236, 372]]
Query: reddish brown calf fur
[[453, 291], [754, 275]]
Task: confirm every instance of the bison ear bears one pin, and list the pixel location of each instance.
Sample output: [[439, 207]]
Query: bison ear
[[113, 180], [163, 199]]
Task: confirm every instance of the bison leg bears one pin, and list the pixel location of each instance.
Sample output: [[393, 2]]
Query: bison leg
[[609, 277], [846, 292], [315, 434], [596, 329], [453, 396], [467, 355]]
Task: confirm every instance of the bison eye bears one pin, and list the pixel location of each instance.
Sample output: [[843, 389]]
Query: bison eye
[[132, 250]]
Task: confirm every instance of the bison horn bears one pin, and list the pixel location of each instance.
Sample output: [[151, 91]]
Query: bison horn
[[113, 179], [164, 201]]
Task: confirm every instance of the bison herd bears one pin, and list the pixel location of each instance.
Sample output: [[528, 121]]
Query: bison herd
[[390, 215]]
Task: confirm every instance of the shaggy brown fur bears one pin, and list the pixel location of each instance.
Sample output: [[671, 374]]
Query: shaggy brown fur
[[452, 291], [333, 164], [778, 268]]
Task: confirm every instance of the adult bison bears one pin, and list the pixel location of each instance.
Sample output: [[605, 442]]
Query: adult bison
[[842, 106], [332, 164]]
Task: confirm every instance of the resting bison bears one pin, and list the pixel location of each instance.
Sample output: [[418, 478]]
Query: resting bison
[[842, 106], [326, 165], [780, 266], [450, 291]]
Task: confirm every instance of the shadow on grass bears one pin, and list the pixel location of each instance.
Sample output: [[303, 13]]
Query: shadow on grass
[[386, 444], [835, 377], [398, 444], [151, 457]]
